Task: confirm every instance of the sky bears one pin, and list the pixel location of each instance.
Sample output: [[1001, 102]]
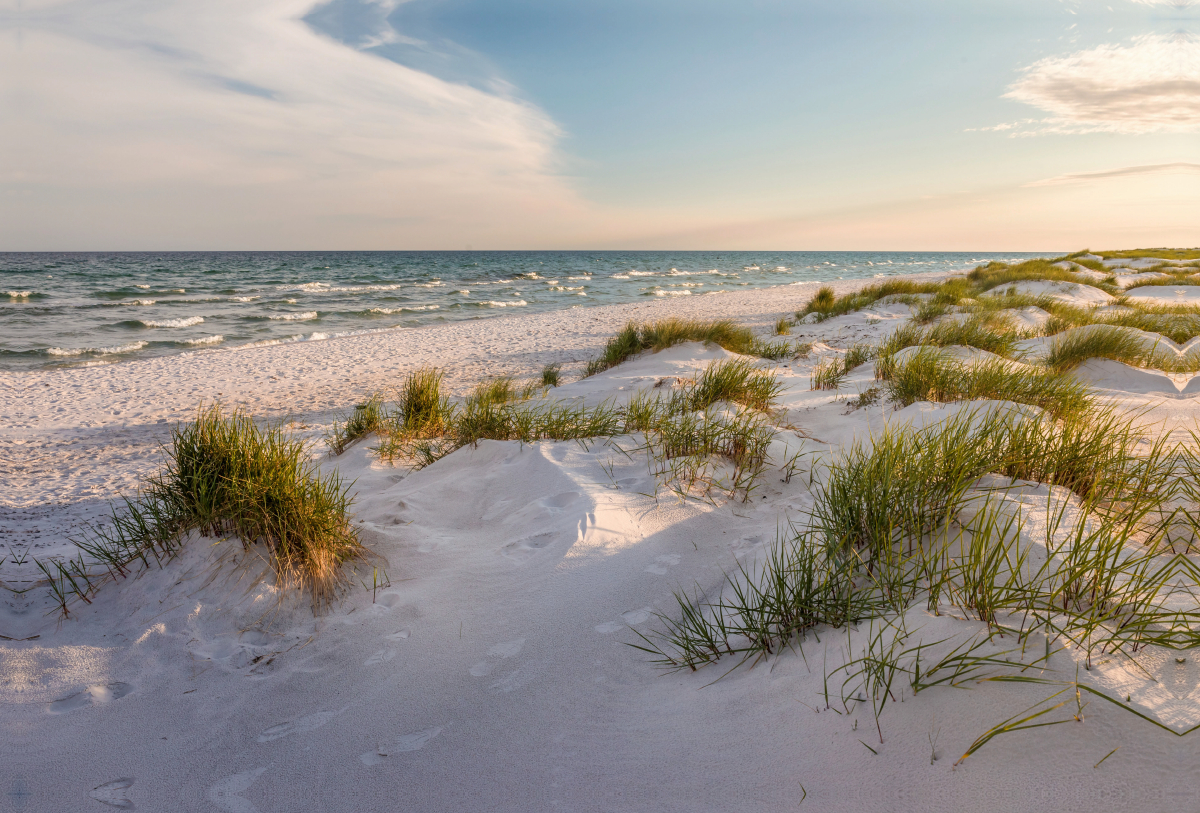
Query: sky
[[1002, 125]]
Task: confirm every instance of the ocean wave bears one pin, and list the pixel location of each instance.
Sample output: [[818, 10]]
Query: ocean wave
[[675, 272], [143, 287], [642, 273], [672, 293], [402, 310], [493, 304], [20, 294], [326, 288], [186, 321], [215, 339], [293, 317], [131, 302], [98, 351], [437, 284], [244, 298], [577, 279]]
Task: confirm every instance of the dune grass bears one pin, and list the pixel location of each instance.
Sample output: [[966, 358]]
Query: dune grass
[[995, 275], [829, 373], [421, 407], [664, 333], [825, 304], [736, 381], [225, 476], [930, 375], [783, 326], [1174, 280], [1155, 253], [367, 417], [550, 375], [935, 299], [976, 332], [902, 518], [1071, 348]]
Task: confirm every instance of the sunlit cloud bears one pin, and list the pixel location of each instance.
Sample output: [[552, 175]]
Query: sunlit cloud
[[237, 121], [1149, 86], [1177, 168]]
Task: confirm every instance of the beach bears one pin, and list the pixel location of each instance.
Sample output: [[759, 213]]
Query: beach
[[487, 658]]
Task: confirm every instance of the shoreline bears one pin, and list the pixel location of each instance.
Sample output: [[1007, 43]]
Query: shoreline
[[102, 396]]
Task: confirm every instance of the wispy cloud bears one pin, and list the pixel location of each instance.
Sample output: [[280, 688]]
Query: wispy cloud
[[222, 123], [1151, 85], [1177, 168]]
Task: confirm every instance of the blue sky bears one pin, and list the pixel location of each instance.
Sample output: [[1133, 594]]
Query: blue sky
[[1024, 124]]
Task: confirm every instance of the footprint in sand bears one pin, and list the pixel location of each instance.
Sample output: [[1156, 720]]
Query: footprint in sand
[[400, 635], [382, 656], [661, 563], [114, 793], [522, 549], [409, 742], [628, 619], [558, 502], [634, 617], [496, 654], [227, 793], [90, 695], [310, 722]]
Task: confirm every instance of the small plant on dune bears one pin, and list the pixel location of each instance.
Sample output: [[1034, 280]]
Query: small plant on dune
[[775, 351], [366, 418], [1073, 347], [660, 335], [697, 452], [930, 375], [783, 327], [736, 381], [550, 375], [930, 311], [226, 476], [829, 374], [975, 332], [422, 407]]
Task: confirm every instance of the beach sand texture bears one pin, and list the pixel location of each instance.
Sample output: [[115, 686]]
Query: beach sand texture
[[496, 671]]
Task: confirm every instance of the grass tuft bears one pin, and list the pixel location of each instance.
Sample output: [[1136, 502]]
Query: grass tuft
[[226, 476]]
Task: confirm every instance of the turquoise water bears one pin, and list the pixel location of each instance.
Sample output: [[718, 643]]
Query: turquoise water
[[86, 309]]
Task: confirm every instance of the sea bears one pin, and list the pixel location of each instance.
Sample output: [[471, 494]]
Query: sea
[[83, 309]]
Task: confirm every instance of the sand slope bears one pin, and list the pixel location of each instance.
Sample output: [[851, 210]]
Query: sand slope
[[495, 671]]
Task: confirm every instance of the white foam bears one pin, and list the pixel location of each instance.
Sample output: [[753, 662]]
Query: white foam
[[20, 294], [293, 317], [402, 310], [186, 321], [215, 339], [244, 298], [99, 351], [133, 302]]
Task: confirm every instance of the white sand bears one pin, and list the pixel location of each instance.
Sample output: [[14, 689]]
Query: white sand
[[1167, 294], [1069, 293], [494, 674]]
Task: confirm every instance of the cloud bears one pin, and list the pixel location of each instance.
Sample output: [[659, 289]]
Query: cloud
[[1178, 168], [1149, 86], [226, 124]]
